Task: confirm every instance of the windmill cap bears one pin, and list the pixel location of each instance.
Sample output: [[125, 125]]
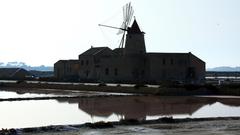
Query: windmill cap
[[134, 28]]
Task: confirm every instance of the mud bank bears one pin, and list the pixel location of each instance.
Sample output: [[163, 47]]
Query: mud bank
[[179, 90], [163, 126]]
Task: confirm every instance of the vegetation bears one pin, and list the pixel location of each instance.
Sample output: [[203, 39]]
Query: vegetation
[[129, 121], [100, 124]]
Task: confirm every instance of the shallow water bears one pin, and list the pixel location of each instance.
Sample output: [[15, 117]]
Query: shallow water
[[10, 94], [35, 113], [41, 113]]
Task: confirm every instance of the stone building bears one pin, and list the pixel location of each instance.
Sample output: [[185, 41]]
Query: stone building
[[131, 64]]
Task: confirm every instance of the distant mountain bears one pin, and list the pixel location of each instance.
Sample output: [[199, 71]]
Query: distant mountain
[[25, 66], [225, 68], [50, 68]]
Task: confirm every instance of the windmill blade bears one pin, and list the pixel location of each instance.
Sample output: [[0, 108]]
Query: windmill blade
[[125, 12], [120, 30], [127, 17], [129, 13]]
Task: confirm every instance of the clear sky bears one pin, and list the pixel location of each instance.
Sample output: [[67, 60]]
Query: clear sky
[[41, 32]]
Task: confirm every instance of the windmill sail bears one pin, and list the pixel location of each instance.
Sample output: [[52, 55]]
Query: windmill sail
[[127, 17]]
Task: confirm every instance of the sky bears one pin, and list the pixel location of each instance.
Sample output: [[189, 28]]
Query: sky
[[41, 32]]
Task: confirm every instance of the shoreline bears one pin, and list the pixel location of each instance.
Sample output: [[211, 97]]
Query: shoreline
[[174, 90]]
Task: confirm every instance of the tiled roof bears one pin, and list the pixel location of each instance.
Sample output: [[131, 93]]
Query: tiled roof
[[94, 50]]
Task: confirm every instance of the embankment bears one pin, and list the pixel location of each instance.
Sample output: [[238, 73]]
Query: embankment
[[181, 90]]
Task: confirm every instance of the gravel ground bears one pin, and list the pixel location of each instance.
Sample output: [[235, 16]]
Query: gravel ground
[[210, 127]]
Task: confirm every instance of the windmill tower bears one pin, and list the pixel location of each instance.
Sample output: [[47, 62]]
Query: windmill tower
[[135, 43], [132, 37]]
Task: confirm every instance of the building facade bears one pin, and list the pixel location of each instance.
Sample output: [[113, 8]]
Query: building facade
[[131, 64]]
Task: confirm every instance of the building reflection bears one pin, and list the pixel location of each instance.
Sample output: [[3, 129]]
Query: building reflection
[[139, 107], [229, 101]]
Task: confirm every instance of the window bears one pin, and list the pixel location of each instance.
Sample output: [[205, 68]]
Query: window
[[86, 62], [97, 60], [171, 61], [163, 61], [180, 62], [144, 62], [87, 72], [115, 71], [82, 62], [69, 69], [106, 71], [142, 73]]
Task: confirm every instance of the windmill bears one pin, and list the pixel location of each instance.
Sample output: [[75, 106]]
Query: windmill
[[127, 17]]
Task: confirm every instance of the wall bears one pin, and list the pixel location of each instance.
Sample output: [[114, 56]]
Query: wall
[[199, 67], [66, 69], [129, 69], [168, 66], [150, 67]]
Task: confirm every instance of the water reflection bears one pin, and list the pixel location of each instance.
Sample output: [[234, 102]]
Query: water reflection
[[140, 107], [34, 113]]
